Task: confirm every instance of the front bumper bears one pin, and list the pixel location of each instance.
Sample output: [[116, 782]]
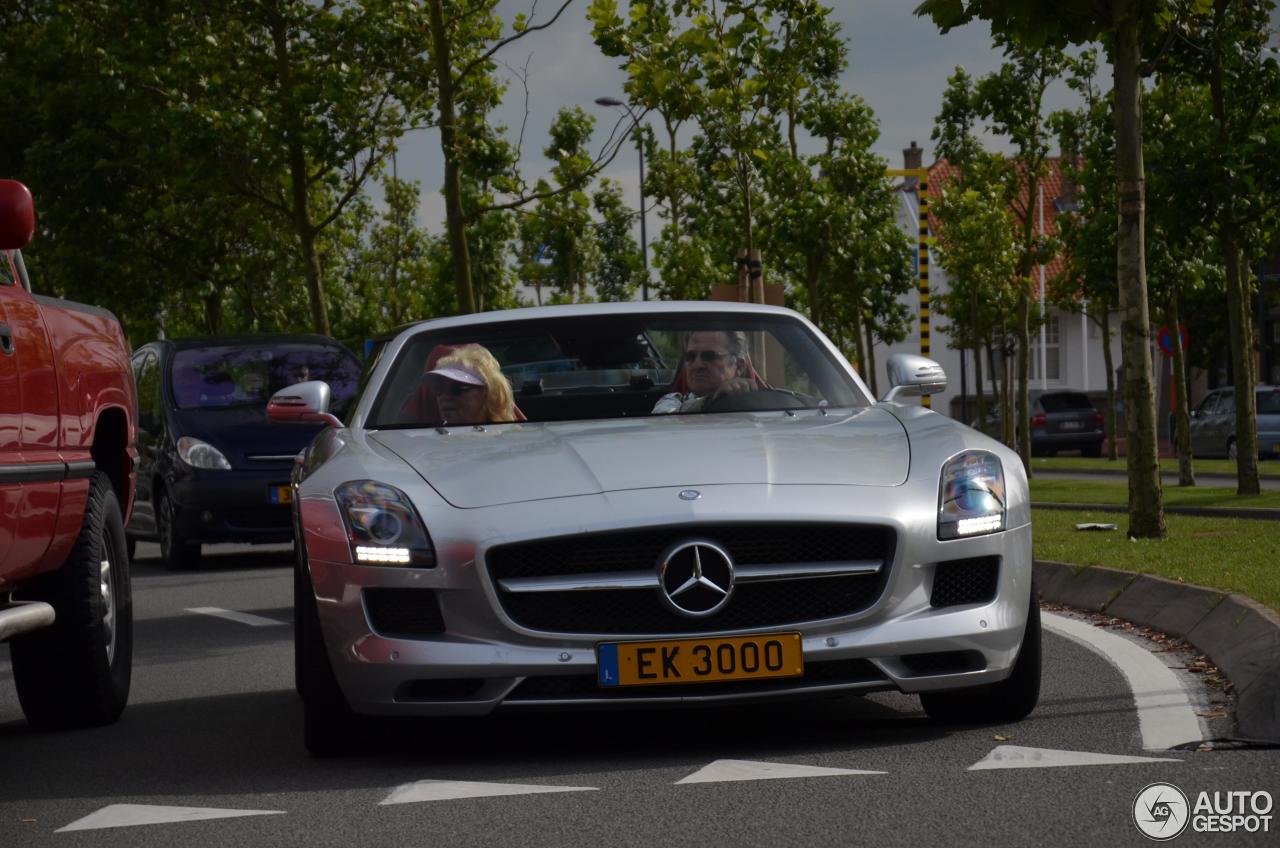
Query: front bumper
[[483, 661], [232, 506]]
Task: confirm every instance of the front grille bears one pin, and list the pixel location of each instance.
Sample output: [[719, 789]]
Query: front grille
[[776, 603], [965, 581], [403, 613], [945, 662], [584, 687]]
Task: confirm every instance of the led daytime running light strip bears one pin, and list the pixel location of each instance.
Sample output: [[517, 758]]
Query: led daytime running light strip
[[366, 553], [982, 524]]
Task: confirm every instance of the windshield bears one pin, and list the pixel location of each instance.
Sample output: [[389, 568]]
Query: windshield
[[610, 366], [220, 376]]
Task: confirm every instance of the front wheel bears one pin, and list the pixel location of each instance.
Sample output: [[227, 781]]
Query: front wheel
[[1012, 699], [329, 727], [175, 552], [77, 672]]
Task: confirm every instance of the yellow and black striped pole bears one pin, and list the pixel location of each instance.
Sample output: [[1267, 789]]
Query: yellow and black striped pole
[[922, 175]]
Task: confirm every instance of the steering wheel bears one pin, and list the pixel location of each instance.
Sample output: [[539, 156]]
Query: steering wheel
[[758, 401]]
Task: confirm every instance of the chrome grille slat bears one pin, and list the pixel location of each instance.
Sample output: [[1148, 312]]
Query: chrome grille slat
[[743, 574]]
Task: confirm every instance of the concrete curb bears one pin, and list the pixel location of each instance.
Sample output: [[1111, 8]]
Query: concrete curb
[[1239, 635], [1255, 513]]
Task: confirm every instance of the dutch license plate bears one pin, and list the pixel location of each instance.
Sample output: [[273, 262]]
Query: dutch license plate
[[699, 660], [281, 494]]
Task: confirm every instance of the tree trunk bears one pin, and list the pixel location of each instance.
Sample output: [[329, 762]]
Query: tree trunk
[[1024, 397], [871, 356], [1186, 471], [1146, 499], [455, 218], [1108, 361], [1246, 436], [299, 211], [860, 351], [977, 382]]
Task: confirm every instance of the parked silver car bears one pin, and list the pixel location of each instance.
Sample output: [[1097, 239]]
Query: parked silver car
[[1213, 423], [781, 535]]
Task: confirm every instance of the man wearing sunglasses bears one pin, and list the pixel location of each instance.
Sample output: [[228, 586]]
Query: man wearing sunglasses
[[714, 363]]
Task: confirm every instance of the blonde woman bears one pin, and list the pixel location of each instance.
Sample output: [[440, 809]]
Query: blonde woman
[[470, 388]]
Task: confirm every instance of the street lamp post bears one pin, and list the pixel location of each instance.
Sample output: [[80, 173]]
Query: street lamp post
[[644, 241]]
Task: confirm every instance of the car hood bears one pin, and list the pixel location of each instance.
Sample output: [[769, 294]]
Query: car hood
[[244, 435], [524, 462]]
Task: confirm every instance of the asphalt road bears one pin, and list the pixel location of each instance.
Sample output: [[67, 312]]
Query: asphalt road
[[214, 724]]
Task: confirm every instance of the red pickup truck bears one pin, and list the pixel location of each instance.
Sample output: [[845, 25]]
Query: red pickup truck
[[68, 408]]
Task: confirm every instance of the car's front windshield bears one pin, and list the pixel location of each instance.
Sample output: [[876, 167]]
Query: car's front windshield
[[611, 366], [225, 375]]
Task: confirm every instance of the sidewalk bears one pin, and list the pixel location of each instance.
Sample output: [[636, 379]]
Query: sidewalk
[[1239, 635]]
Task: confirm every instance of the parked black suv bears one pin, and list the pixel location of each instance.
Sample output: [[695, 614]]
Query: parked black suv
[[211, 467], [1061, 419]]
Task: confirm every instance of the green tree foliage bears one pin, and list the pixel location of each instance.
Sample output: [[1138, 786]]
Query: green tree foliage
[[620, 263], [1122, 23], [1223, 47]]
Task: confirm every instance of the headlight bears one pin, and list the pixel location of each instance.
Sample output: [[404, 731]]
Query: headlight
[[971, 496], [200, 454], [382, 526]]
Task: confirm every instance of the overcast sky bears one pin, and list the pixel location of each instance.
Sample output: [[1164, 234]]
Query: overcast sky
[[898, 64]]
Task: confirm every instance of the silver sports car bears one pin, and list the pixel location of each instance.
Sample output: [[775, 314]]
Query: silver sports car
[[650, 503]]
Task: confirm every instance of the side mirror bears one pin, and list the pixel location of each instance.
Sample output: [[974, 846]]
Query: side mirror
[[302, 403], [17, 215], [913, 376]]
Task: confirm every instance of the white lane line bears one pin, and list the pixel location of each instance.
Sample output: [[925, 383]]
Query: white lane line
[[452, 790], [129, 815], [1165, 715], [722, 771], [1017, 756], [239, 617]]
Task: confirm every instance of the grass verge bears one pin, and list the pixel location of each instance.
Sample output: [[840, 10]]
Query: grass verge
[[1117, 492], [1230, 554], [1266, 467]]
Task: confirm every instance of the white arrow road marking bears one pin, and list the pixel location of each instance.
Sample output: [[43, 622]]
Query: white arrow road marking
[[1165, 715], [722, 771], [128, 815], [1016, 756], [450, 790], [240, 617]]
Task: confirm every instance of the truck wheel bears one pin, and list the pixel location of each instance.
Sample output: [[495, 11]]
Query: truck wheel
[[175, 553], [76, 673], [329, 727], [1012, 699]]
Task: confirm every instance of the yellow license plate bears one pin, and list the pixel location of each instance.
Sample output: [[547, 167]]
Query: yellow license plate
[[699, 660], [281, 494]]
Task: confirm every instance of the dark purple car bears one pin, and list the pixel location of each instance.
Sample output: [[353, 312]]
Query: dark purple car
[[211, 467]]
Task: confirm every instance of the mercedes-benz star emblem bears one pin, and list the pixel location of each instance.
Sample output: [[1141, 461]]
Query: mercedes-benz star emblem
[[696, 577]]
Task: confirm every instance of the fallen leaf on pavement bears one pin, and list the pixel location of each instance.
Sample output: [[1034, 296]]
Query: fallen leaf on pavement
[[1000, 738]]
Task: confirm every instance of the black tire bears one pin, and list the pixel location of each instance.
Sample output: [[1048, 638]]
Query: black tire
[[175, 552], [1094, 450], [1012, 699], [77, 672], [329, 727], [131, 547]]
